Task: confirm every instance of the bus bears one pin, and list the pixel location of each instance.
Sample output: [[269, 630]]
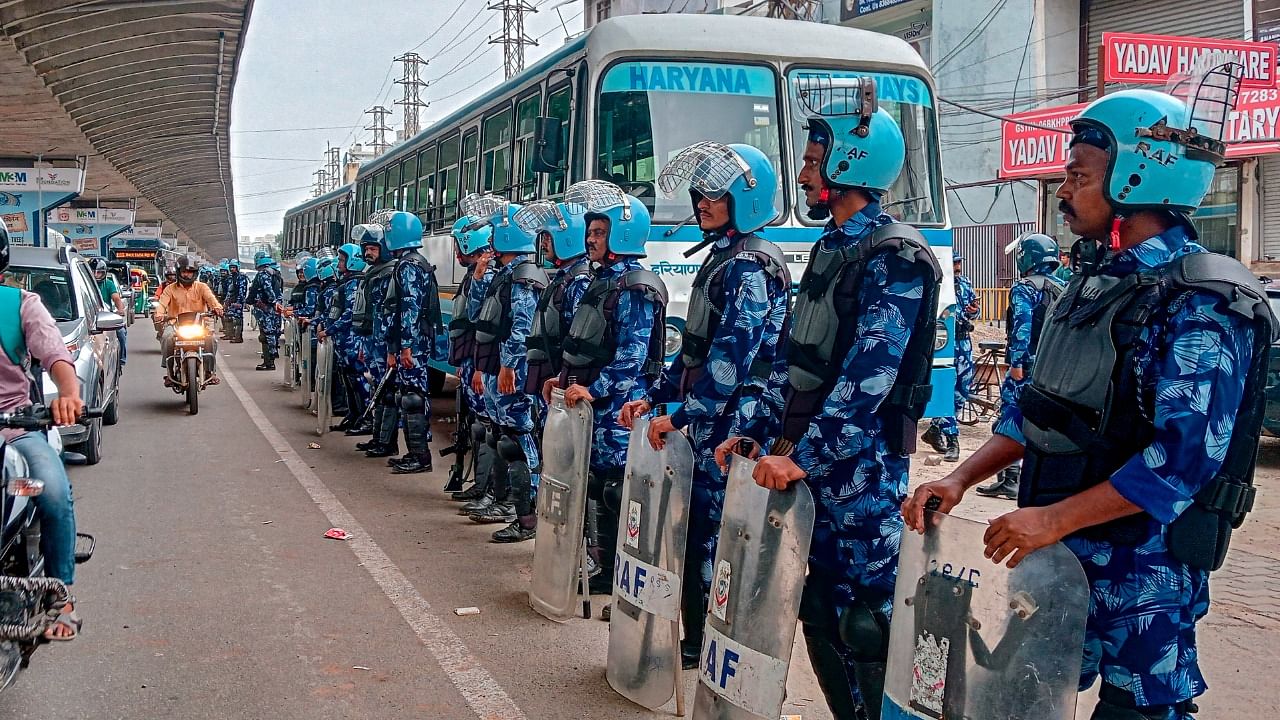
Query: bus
[[617, 102], [321, 222]]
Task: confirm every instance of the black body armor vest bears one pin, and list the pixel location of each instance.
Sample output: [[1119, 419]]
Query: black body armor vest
[[430, 319], [462, 341], [592, 342], [546, 337], [493, 323], [365, 310]]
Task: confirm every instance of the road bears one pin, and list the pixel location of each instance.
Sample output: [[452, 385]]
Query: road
[[214, 595]]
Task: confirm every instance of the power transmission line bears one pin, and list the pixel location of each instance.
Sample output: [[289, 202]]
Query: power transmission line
[[513, 39]]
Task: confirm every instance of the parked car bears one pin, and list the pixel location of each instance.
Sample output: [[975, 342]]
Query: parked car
[[61, 277]]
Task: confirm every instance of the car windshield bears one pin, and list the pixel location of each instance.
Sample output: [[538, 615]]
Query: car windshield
[[644, 120], [53, 285]]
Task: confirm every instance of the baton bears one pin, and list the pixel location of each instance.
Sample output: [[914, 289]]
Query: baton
[[377, 393]]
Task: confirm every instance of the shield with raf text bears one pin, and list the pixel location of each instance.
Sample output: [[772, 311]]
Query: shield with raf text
[[306, 368], [289, 351], [324, 385]]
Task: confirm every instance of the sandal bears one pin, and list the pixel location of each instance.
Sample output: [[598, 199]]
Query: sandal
[[214, 380], [69, 620]]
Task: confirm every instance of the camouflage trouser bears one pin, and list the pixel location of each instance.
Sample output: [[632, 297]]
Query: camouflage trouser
[[269, 326]]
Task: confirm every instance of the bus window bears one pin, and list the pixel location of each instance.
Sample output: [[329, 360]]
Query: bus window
[[649, 111], [449, 177], [559, 105], [470, 161], [379, 188], [526, 188], [426, 184], [392, 188], [409, 184], [916, 197], [497, 152]]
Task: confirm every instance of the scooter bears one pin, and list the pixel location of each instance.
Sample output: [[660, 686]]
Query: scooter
[[29, 602], [186, 365]]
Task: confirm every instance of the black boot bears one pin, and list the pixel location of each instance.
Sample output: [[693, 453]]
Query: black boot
[[386, 432], [499, 512], [475, 492], [415, 464], [952, 453], [933, 436], [1005, 486], [480, 503], [524, 528], [361, 427], [268, 364]]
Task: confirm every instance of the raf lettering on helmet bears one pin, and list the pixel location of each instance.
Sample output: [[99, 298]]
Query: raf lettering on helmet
[[1159, 156]]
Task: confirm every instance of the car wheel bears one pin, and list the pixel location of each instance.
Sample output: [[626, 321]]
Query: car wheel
[[92, 447]]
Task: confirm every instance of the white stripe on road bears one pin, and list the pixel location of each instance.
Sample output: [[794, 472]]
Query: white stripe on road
[[487, 699]]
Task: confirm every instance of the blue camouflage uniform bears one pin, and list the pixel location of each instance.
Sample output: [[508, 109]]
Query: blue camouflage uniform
[[347, 345], [310, 296], [1144, 603], [264, 296], [755, 308], [1023, 297], [325, 295], [574, 288], [404, 332], [517, 411], [476, 290], [965, 298], [377, 345]]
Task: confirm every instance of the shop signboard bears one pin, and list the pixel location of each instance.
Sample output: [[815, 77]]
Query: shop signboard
[[1034, 143], [1154, 59], [850, 9]]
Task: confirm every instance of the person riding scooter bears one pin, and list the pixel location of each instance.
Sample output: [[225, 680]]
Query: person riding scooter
[[188, 295]]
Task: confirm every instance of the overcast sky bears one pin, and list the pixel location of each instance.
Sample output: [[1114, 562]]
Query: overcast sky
[[312, 67]]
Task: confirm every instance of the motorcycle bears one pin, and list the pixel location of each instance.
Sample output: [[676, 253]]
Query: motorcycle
[[29, 602], [186, 365]]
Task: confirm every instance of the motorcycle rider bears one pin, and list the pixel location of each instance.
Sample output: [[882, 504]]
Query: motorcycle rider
[[1139, 428], [188, 295], [235, 290], [501, 327], [735, 320], [853, 396], [412, 327], [28, 332], [264, 297], [111, 294], [943, 433], [348, 346], [614, 349], [1029, 301], [372, 319]]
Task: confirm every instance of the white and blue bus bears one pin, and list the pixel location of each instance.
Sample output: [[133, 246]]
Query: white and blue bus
[[617, 102]]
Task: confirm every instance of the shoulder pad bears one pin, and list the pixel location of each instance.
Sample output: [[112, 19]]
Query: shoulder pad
[[528, 273], [907, 242], [1228, 279], [647, 282], [769, 256]]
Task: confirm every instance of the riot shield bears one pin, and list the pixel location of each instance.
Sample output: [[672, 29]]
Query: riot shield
[[644, 627], [558, 551], [324, 385], [972, 639], [758, 579], [289, 349], [305, 368]]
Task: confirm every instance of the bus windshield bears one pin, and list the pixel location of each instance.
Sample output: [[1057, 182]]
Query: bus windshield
[[649, 111], [917, 196]]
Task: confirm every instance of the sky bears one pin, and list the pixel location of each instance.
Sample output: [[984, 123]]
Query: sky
[[312, 67]]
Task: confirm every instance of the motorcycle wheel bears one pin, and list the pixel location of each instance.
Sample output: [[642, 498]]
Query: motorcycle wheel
[[193, 384]]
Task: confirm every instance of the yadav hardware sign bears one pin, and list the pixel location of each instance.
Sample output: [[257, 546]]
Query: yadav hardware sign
[[1034, 143], [1154, 59]]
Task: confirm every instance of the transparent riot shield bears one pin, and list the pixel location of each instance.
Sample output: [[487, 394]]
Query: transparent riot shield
[[972, 639], [559, 553], [289, 351], [644, 626], [324, 385], [758, 578], [305, 368]]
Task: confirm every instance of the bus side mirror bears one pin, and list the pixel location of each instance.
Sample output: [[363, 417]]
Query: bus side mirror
[[548, 155]]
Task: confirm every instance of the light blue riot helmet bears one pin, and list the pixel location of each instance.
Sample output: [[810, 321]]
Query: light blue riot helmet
[[499, 213], [568, 231], [371, 234], [354, 257], [628, 218], [326, 268], [231, 264], [1163, 152], [404, 232], [1031, 250], [712, 170], [262, 262], [863, 147], [310, 268], [469, 238]]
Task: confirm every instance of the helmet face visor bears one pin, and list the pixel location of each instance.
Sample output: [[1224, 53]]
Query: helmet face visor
[[485, 209], [596, 196], [1209, 93], [707, 168]]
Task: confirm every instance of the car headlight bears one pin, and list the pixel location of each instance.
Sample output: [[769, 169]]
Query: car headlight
[[191, 332], [674, 341]]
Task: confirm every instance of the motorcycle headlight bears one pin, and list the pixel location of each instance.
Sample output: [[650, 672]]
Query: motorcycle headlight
[[674, 341], [190, 332]]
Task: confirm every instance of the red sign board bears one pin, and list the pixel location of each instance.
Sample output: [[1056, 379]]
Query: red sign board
[[1034, 143], [1254, 125], [1153, 59]]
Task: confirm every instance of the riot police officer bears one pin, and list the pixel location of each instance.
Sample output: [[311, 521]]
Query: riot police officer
[[327, 291], [859, 357], [411, 326], [501, 328], [347, 345], [614, 348], [264, 297], [943, 433], [235, 290], [739, 302], [1139, 429], [371, 319], [1029, 301]]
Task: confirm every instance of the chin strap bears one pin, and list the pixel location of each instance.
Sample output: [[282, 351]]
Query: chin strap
[[1115, 233]]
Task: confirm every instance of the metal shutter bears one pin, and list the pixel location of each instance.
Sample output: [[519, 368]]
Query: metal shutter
[[1195, 18], [1269, 172]]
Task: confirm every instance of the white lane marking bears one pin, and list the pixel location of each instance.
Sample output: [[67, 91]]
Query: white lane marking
[[487, 699]]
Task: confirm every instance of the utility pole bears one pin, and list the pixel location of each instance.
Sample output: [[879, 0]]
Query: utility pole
[[810, 10], [379, 128], [513, 39], [322, 183], [413, 84], [331, 166]]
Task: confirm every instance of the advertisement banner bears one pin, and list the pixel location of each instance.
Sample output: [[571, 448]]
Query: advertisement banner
[[1153, 59], [15, 222], [1252, 125], [1034, 143], [91, 216], [850, 9], [65, 180]]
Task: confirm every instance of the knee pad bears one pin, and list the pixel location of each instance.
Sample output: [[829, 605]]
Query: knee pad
[[1116, 703], [509, 449], [412, 403], [478, 432], [865, 632]]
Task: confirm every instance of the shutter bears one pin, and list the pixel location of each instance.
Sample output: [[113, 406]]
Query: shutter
[[1269, 170], [1194, 18]]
